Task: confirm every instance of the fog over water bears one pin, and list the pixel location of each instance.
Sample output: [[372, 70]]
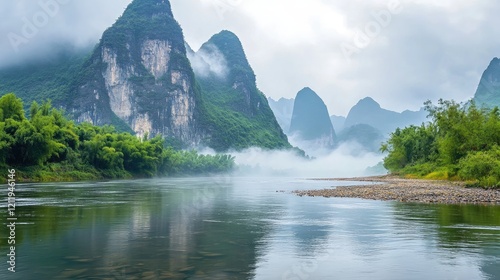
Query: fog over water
[[341, 162]]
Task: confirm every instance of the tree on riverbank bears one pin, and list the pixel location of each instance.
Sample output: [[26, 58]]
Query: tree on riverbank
[[48, 146], [460, 142]]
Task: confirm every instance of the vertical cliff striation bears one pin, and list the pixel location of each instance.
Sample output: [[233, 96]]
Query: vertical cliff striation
[[139, 78]]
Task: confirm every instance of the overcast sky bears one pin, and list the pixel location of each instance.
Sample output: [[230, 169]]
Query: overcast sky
[[400, 52]]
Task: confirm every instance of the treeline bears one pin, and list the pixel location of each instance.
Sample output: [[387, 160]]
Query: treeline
[[461, 142], [47, 147]]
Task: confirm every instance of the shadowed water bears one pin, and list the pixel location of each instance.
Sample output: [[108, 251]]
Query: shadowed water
[[242, 228]]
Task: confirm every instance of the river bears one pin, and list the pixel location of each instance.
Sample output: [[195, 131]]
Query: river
[[241, 228]]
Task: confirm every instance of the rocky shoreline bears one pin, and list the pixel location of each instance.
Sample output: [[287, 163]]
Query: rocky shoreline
[[408, 190]]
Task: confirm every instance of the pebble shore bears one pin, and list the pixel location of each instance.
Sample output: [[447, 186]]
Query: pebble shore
[[409, 190]]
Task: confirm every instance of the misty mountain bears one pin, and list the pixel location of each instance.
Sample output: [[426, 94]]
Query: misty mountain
[[283, 110], [488, 90], [338, 122], [368, 137], [368, 111], [310, 119], [139, 79], [237, 112]]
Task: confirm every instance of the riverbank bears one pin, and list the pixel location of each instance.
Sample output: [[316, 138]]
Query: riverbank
[[409, 190]]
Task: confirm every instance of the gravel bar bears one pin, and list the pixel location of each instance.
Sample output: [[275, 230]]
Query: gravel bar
[[409, 190]]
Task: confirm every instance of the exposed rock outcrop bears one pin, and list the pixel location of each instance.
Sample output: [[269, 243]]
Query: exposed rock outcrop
[[139, 77]]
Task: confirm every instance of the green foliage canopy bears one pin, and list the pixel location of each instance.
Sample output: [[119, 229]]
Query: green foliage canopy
[[47, 137], [462, 141]]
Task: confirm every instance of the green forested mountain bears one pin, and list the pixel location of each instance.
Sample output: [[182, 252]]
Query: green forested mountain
[[238, 113], [138, 78], [488, 91], [49, 78]]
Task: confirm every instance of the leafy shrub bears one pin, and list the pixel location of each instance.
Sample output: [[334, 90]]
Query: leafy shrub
[[482, 166], [49, 147], [461, 142]]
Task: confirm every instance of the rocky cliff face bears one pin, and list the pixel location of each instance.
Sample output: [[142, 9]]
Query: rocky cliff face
[[310, 119], [488, 91], [139, 77]]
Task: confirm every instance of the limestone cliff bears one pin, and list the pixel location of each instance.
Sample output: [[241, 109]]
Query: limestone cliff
[[139, 78]]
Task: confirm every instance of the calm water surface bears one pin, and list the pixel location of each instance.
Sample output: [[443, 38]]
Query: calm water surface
[[242, 228]]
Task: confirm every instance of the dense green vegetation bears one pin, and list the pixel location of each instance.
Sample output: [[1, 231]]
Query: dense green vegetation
[[47, 146], [232, 128], [43, 79], [461, 142], [237, 113]]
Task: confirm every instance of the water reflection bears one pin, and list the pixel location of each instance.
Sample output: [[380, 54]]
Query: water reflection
[[241, 228], [177, 230], [458, 231]]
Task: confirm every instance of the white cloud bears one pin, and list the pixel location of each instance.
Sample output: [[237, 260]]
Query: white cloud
[[209, 61], [337, 163], [431, 49], [32, 29]]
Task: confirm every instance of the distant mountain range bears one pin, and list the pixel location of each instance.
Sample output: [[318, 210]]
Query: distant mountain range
[[367, 123], [143, 78], [368, 111]]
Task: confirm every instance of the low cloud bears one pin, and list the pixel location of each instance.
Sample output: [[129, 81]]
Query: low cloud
[[337, 163], [209, 61], [34, 30]]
